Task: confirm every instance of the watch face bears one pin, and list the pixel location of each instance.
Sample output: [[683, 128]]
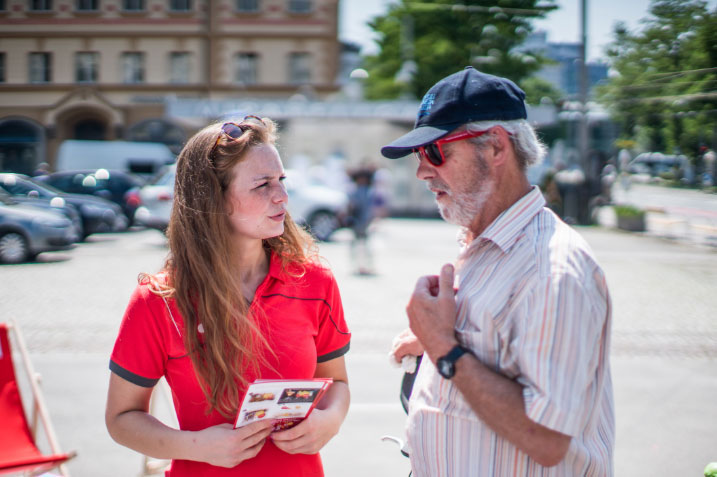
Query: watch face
[[445, 368]]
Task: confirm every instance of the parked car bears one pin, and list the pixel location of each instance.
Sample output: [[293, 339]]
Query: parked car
[[26, 231], [155, 200], [653, 164], [56, 204], [138, 157], [312, 205], [98, 215], [113, 185]]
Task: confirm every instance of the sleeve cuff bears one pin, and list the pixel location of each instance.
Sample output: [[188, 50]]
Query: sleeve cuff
[[131, 377], [542, 410], [334, 354]]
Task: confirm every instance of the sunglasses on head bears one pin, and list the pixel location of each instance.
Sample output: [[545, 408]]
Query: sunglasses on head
[[235, 130], [433, 152]]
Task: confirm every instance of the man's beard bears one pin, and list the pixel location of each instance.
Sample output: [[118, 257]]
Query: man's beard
[[467, 205], [462, 208]]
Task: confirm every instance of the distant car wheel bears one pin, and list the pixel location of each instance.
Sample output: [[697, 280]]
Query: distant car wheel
[[322, 224], [13, 248]]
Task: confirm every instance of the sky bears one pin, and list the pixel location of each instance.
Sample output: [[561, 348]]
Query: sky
[[562, 25]]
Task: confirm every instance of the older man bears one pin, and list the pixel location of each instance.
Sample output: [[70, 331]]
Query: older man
[[518, 380]]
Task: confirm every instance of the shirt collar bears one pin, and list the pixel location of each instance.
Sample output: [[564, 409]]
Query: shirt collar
[[276, 270], [505, 230]]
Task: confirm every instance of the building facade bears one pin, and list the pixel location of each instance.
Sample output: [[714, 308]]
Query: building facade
[[104, 69], [563, 71]]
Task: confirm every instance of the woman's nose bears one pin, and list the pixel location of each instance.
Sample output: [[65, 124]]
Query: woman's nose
[[281, 194]]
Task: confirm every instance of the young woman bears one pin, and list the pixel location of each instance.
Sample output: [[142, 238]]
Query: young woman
[[241, 297]]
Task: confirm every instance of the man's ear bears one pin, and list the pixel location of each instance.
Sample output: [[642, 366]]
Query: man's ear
[[500, 142]]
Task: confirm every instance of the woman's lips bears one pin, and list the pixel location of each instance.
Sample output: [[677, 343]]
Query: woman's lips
[[278, 217]]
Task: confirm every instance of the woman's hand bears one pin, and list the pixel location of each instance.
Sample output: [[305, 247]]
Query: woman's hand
[[310, 435], [225, 446]]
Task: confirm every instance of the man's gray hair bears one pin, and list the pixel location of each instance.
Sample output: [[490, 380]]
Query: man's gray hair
[[528, 148]]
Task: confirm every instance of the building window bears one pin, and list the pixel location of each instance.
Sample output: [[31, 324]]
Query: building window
[[2, 67], [248, 6], [40, 5], [299, 68], [300, 6], [179, 67], [133, 67], [133, 5], [2, 5], [40, 68], [180, 5], [86, 67], [245, 68], [87, 5]]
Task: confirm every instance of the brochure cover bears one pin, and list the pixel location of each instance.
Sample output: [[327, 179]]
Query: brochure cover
[[285, 400]]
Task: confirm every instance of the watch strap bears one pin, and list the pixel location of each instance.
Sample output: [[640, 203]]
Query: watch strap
[[456, 352]]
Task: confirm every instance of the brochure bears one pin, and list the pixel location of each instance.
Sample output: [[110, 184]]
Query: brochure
[[287, 401]]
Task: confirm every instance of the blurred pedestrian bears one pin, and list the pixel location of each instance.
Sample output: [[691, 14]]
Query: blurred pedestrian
[[518, 380], [42, 169], [241, 297], [365, 205]]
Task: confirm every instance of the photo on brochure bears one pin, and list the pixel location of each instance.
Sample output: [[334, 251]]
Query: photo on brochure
[[287, 402]]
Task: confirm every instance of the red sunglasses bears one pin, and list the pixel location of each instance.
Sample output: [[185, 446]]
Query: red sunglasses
[[433, 151], [235, 130]]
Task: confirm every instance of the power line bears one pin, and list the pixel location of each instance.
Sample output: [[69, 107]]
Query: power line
[[658, 99], [684, 72], [458, 7], [643, 86]]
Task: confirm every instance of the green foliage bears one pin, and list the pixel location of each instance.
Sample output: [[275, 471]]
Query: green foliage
[[625, 144], [443, 36], [663, 96], [537, 90], [628, 211]]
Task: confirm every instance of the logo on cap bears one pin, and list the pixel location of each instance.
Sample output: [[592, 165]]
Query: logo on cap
[[425, 108]]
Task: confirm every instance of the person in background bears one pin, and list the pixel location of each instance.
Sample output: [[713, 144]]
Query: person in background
[[241, 297], [41, 169], [517, 380], [365, 205]]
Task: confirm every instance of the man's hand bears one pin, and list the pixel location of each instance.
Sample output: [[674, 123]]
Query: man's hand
[[432, 312], [406, 344]]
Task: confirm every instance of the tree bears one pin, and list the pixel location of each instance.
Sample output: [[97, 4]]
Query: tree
[[663, 94], [422, 42]]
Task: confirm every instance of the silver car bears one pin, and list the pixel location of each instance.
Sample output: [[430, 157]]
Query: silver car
[[26, 231]]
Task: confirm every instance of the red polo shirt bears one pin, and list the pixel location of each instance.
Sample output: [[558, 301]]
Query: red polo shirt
[[304, 324]]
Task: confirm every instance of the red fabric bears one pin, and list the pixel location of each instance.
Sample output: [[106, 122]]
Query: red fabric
[[17, 447], [303, 322]]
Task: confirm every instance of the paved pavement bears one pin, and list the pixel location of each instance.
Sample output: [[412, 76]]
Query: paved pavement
[[684, 215], [664, 352]]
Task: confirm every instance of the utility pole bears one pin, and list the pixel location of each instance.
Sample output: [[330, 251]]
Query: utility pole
[[583, 123]]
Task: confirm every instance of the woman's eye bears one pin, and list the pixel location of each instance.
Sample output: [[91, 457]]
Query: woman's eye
[[262, 185]]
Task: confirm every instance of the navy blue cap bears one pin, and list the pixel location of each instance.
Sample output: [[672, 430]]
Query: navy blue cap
[[460, 98]]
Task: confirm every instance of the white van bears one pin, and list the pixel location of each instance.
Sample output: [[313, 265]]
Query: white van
[[137, 157]]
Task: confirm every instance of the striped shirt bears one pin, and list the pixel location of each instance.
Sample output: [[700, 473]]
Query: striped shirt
[[533, 305]]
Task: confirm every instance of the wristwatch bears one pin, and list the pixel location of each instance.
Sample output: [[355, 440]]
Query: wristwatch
[[446, 365]]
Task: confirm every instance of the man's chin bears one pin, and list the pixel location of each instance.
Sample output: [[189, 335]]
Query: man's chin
[[448, 215]]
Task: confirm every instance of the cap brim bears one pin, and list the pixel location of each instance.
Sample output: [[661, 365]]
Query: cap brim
[[418, 137]]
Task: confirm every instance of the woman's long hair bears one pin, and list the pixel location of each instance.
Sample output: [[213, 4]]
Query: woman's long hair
[[202, 275]]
